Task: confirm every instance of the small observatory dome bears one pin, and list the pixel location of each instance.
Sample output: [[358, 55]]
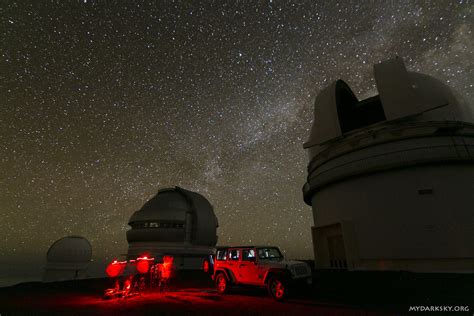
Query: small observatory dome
[[67, 259], [390, 178], [174, 222]]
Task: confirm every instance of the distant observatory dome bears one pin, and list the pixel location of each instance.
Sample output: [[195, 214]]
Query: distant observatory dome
[[391, 178], [67, 258], [174, 222]]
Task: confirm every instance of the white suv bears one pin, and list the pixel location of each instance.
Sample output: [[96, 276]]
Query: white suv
[[262, 266]]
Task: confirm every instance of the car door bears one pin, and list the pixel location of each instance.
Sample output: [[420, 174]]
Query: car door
[[233, 262], [248, 268]]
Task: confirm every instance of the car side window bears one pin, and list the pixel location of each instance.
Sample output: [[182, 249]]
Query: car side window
[[234, 254], [222, 254], [248, 255]]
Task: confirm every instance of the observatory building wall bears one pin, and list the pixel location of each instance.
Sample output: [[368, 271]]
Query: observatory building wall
[[399, 219], [391, 178]]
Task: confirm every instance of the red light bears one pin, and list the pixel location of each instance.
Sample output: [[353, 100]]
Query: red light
[[142, 266], [145, 255], [143, 258], [114, 269]]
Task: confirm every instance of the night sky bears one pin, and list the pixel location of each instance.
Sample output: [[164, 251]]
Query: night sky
[[102, 103]]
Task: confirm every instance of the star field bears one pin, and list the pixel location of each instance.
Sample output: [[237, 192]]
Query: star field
[[104, 102]]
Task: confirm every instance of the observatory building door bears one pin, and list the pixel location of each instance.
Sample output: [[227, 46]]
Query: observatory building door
[[337, 254], [329, 247]]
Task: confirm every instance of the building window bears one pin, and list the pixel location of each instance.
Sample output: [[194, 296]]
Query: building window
[[425, 191], [175, 225]]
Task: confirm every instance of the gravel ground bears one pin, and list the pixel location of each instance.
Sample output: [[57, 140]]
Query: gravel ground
[[185, 301]]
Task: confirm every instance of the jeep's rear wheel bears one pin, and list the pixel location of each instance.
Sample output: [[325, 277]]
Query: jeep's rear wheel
[[277, 288], [222, 284]]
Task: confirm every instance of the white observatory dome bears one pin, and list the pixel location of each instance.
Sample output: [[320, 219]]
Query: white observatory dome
[[391, 178], [74, 249], [67, 258]]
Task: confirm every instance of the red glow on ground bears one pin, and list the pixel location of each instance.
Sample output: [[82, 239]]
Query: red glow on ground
[[189, 301]]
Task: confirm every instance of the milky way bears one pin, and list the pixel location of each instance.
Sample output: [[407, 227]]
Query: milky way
[[102, 103]]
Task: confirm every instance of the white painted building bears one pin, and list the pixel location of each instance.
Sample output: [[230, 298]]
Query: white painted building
[[391, 178]]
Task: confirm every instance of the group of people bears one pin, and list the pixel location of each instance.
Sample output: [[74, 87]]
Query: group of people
[[153, 276]]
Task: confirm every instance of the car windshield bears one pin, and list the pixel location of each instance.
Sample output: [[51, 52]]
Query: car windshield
[[269, 253]]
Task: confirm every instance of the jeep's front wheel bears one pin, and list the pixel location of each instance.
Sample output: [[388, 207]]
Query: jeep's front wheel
[[222, 284], [277, 288]]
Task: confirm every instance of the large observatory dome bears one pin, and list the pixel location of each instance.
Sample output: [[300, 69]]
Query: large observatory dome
[[67, 258], [175, 221], [411, 96], [390, 178]]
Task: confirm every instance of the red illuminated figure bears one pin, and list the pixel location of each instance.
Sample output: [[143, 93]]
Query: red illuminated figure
[[164, 273], [260, 266]]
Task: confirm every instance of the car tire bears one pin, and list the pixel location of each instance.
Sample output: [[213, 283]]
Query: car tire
[[222, 284], [277, 288]]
